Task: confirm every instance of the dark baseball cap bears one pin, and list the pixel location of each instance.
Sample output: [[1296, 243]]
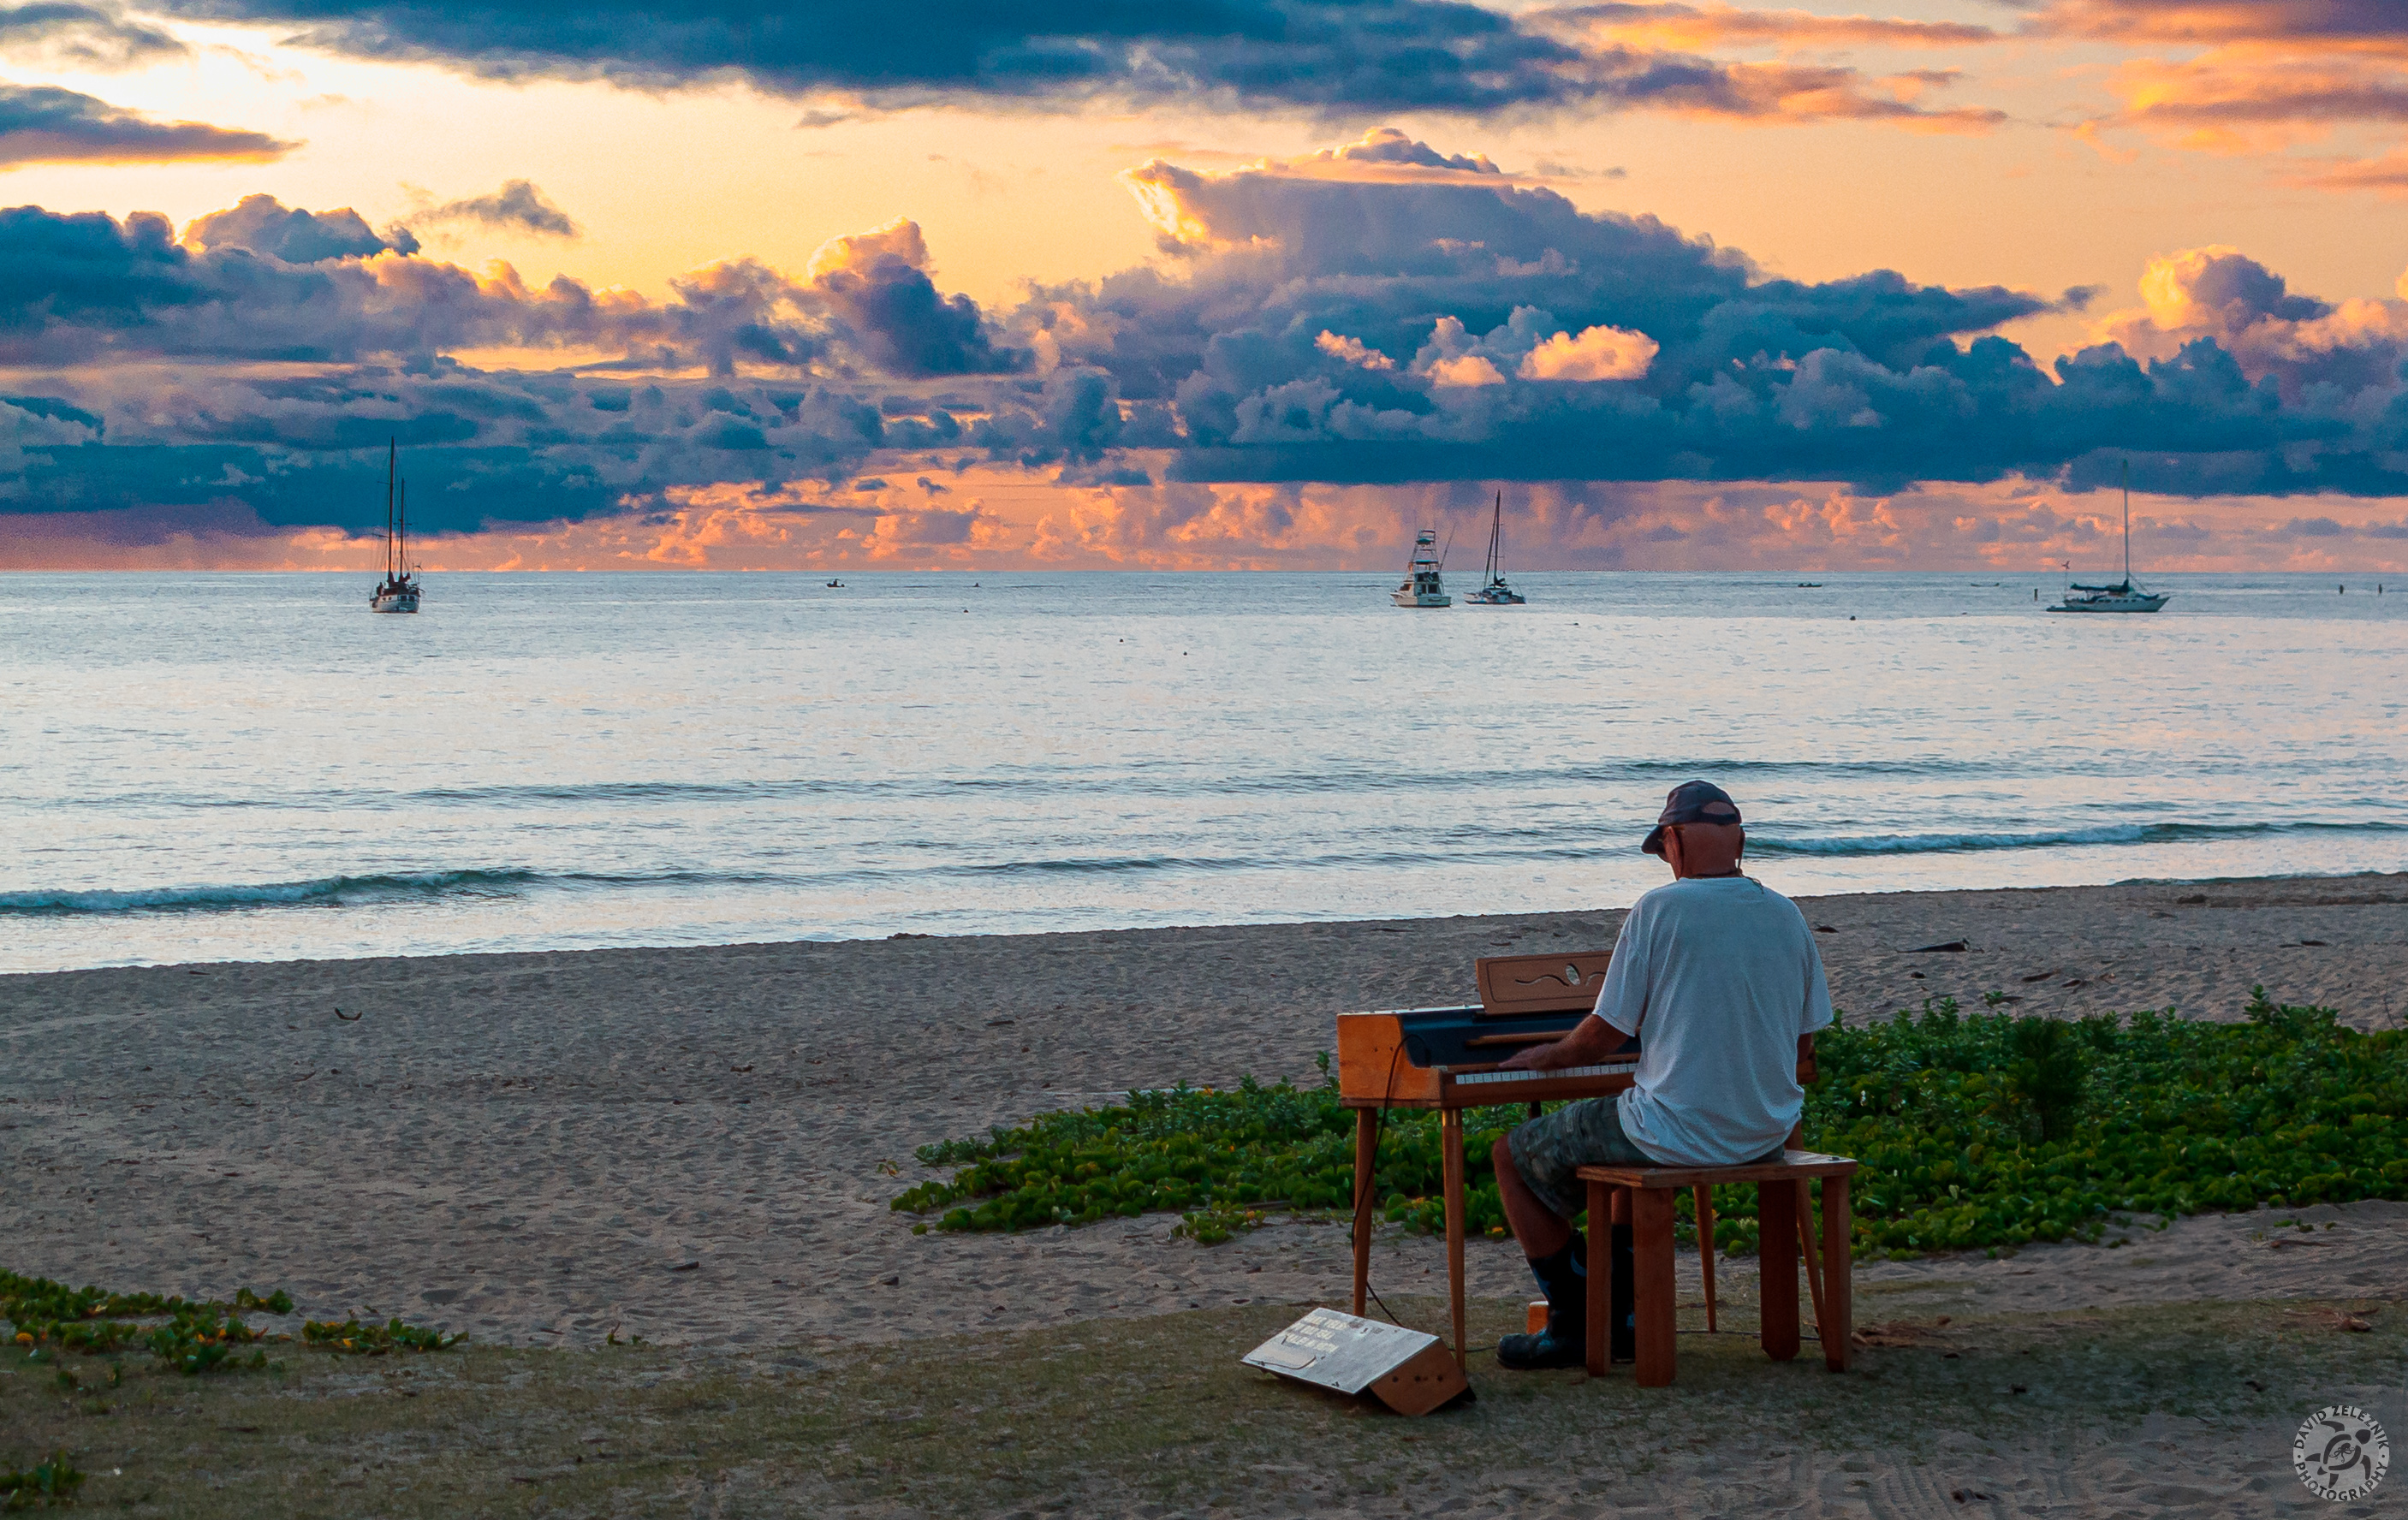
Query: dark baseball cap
[[1691, 802]]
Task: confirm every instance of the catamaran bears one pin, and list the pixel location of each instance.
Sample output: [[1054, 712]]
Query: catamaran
[[398, 591], [1423, 587], [2124, 596], [1492, 591]]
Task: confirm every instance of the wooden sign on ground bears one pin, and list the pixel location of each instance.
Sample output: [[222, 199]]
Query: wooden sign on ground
[[1411, 1372]]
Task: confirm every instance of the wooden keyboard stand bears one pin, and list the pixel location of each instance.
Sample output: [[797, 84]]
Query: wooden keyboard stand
[[1374, 1074]]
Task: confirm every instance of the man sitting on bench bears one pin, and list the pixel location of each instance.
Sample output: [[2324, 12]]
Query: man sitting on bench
[[1719, 979]]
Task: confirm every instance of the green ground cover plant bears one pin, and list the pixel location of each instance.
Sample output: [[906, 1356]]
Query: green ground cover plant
[[190, 1336], [1975, 1130], [53, 1480]]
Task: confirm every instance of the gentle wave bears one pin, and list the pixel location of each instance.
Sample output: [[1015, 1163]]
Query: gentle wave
[[1165, 779], [338, 891], [1519, 846], [1926, 844]]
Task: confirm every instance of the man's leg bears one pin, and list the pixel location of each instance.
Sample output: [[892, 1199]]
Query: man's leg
[[1538, 1227], [1559, 1261]]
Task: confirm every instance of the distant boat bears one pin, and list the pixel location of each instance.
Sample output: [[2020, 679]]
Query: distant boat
[[398, 591], [1423, 587], [836, 582], [2124, 596], [1493, 590]]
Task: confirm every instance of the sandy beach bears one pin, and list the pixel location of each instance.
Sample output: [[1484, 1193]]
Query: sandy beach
[[699, 1146]]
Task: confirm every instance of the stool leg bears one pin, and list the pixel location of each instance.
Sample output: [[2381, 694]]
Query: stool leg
[[1776, 1213], [1813, 1257], [1365, 1136], [1838, 1324], [1601, 1277], [1705, 1196], [1651, 1243]]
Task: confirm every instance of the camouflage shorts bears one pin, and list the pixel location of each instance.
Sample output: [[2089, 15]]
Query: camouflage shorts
[[1549, 1151]]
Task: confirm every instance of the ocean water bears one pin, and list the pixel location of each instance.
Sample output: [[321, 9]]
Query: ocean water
[[253, 767]]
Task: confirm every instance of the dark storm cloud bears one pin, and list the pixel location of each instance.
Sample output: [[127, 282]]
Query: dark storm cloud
[[479, 448], [263, 360], [43, 124], [1377, 53], [266, 283], [263, 224], [877, 284], [518, 205], [1337, 57]]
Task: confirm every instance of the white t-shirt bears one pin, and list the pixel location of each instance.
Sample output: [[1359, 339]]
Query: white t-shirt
[[1718, 976]]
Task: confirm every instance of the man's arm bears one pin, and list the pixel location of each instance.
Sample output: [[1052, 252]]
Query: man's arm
[[1591, 1040]]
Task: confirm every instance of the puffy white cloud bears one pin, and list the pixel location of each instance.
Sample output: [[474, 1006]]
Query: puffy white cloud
[[1463, 371], [1351, 351], [1599, 354], [2221, 295]]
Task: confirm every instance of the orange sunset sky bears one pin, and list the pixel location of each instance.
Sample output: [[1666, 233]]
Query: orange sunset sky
[[1237, 283]]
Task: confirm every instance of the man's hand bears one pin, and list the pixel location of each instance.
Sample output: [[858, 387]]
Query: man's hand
[[1533, 1057], [1590, 1042]]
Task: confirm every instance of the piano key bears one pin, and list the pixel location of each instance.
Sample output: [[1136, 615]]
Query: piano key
[[1612, 1068]]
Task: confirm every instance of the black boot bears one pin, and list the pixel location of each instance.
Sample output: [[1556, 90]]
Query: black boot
[[1565, 1341]]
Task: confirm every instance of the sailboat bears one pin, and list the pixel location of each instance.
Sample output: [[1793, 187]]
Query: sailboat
[[1493, 590], [398, 591], [1423, 587], [2124, 596]]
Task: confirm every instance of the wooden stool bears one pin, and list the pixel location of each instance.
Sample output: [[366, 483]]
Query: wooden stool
[[1780, 1199]]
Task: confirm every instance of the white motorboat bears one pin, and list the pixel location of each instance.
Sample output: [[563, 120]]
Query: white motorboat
[[2124, 596], [1423, 587], [398, 591], [1493, 590]]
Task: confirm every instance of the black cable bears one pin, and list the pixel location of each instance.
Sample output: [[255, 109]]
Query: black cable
[[1379, 1127]]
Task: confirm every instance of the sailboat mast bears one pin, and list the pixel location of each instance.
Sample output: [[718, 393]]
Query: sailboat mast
[[401, 538], [2128, 522], [390, 448]]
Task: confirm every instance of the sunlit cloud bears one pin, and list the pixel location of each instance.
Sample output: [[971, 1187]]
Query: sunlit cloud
[[98, 38], [1698, 27], [2386, 176], [2359, 25], [2274, 75]]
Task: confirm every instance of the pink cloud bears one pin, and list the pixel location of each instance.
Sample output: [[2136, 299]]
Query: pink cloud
[[997, 518]]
